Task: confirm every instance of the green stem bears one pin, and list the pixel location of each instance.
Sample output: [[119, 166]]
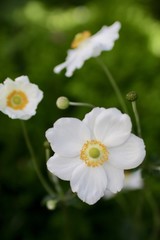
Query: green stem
[[114, 85], [81, 104], [134, 107], [34, 161]]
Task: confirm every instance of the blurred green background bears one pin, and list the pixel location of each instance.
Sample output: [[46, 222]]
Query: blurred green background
[[34, 37]]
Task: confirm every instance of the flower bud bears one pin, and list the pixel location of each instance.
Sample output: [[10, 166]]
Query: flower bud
[[62, 103], [131, 96], [51, 204]]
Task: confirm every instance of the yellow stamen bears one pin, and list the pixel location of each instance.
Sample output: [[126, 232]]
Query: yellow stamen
[[79, 38], [94, 153], [17, 100]]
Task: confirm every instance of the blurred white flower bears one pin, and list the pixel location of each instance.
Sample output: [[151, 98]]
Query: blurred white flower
[[19, 98], [86, 46], [93, 153], [132, 181]]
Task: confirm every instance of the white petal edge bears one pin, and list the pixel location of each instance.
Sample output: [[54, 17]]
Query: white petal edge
[[128, 155], [90, 117], [22, 79], [104, 39], [59, 67], [76, 57], [112, 127], [89, 183], [115, 178], [62, 167], [68, 136]]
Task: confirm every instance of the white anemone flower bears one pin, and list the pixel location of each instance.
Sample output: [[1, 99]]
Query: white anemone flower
[[19, 98], [87, 46], [133, 181], [93, 153]]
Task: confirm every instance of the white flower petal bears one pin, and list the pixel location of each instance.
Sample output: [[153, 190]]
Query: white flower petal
[[8, 84], [19, 114], [91, 47], [63, 167], [128, 155], [68, 136], [76, 58], [105, 38], [112, 127], [59, 67], [115, 178], [133, 180], [22, 80], [90, 117], [89, 183]]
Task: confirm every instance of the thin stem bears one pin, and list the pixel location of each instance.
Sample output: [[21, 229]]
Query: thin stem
[[134, 107], [81, 104], [114, 85], [34, 161]]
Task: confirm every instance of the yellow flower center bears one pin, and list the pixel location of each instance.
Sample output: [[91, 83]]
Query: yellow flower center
[[94, 153], [79, 38], [17, 100]]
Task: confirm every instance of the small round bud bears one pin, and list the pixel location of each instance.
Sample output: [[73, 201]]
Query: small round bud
[[131, 96], [51, 204], [62, 103]]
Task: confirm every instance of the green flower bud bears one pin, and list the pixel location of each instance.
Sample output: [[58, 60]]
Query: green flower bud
[[131, 96], [62, 103], [51, 204]]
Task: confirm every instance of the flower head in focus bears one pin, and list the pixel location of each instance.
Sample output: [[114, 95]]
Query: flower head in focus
[[93, 153], [19, 98], [86, 46]]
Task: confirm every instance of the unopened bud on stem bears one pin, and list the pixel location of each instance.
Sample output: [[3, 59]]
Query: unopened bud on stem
[[51, 204], [131, 96], [62, 103]]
